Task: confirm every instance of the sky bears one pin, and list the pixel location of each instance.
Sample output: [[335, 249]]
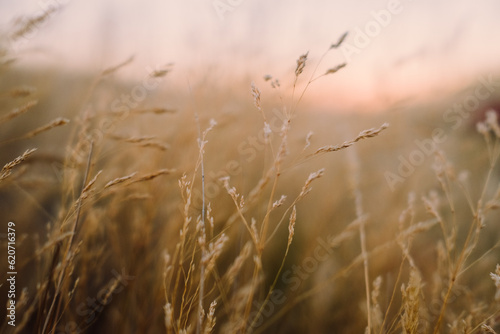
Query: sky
[[395, 50]]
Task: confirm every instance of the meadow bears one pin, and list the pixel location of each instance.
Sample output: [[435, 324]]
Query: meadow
[[238, 208]]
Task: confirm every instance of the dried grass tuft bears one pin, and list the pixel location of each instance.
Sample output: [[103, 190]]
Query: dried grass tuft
[[411, 303]]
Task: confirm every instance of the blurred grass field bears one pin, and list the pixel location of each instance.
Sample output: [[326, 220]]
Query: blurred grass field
[[238, 208]]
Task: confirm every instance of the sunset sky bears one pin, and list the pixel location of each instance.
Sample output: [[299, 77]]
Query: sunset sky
[[395, 49]]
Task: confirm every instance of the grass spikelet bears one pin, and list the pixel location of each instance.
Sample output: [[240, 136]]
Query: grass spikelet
[[496, 279], [291, 226], [307, 186], [7, 168], [25, 26], [418, 228], [21, 92], [119, 180], [168, 319], [161, 72], [492, 122], [376, 310], [90, 184], [301, 64], [60, 121], [490, 130], [411, 303], [256, 96], [254, 232], [110, 290], [151, 176], [340, 41], [482, 128], [488, 329], [369, 133], [143, 141], [238, 202], [335, 69], [258, 105], [279, 202], [210, 322], [115, 68], [155, 144], [18, 111], [308, 140]]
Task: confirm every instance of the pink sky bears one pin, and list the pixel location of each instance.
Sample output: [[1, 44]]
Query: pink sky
[[395, 49]]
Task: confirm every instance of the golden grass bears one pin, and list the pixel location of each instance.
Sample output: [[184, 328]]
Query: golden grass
[[266, 221]]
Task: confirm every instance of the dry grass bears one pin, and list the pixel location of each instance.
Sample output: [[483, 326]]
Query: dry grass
[[267, 220]]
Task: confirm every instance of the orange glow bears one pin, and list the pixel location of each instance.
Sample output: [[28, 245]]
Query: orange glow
[[396, 50]]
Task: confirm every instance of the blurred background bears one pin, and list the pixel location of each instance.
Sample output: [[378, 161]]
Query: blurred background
[[397, 50]]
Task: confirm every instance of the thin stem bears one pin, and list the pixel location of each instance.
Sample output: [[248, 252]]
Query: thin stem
[[203, 251], [70, 244]]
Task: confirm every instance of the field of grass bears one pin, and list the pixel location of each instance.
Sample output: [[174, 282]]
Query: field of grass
[[243, 210]]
